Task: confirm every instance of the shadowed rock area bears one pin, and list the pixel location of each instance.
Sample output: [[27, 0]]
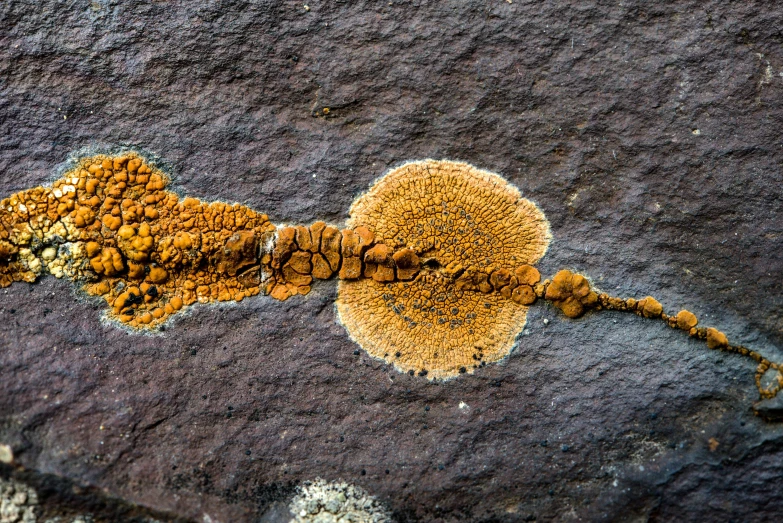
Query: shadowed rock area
[[648, 133]]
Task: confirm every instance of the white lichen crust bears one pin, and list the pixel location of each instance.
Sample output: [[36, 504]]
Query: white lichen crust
[[18, 502], [322, 502]]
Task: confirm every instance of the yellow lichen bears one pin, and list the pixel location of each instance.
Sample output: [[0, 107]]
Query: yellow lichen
[[456, 220]]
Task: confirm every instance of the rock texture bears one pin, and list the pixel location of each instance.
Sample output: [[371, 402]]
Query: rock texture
[[647, 132]]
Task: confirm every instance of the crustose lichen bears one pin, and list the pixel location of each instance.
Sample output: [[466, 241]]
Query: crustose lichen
[[436, 265]]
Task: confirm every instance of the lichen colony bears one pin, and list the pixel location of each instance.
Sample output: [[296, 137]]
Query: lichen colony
[[436, 265]]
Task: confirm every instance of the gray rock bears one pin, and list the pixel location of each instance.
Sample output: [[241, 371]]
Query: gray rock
[[648, 133]]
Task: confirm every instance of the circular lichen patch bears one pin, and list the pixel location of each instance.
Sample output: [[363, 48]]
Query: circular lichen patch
[[456, 218]]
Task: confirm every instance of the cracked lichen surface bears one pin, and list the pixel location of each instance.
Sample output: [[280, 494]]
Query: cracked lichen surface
[[435, 267], [110, 223], [458, 220]]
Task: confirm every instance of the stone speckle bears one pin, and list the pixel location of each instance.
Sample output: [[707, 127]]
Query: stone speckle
[[589, 109]]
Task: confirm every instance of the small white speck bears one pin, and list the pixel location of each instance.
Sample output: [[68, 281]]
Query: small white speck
[[641, 467], [306, 7], [463, 405], [546, 321], [696, 132], [614, 483], [313, 176]]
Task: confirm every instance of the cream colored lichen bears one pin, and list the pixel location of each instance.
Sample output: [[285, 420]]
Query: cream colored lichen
[[18, 502], [322, 502]]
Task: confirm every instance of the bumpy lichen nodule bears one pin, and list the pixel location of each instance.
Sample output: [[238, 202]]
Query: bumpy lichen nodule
[[571, 293], [470, 229]]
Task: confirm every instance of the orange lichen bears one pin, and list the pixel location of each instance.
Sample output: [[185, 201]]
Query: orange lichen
[[571, 293], [454, 235], [435, 265], [110, 223], [716, 339], [649, 307], [685, 320]]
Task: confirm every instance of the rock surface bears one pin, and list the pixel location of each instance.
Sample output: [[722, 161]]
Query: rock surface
[[649, 133]]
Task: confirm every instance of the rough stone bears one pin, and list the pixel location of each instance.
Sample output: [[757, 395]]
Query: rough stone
[[647, 132]]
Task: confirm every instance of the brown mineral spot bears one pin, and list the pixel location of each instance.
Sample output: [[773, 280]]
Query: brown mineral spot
[[330, 246], [285, 245], [685, 320], [365, 237], [500, 278], [303, 239], [407, 263], [524, 295], [462, 224], [350, 244], [351, 269], [239, 252], [322, 271], [379, 264], [473, 280]]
